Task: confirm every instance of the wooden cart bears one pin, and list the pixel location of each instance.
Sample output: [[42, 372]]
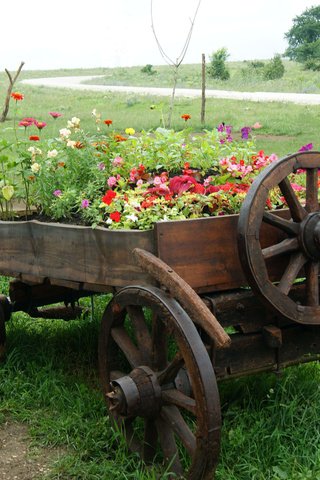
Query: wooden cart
[[177, 291]]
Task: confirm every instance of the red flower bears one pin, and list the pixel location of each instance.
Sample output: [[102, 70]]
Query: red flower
[[186, 116], [115, 216], [35, 138], [24, 123], [108, 197], [107, 122], [185, 183], [55, 114], [40, 125], [17, 96]]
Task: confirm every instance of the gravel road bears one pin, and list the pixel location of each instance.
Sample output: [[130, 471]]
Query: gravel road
[[76, 83]]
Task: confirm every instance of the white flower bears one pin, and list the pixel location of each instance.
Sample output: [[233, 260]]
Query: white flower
[[132, 217], [71, 143], [74, 123], [109, 221], [35, 167], [65, 132], [52, 153], [34, 151]]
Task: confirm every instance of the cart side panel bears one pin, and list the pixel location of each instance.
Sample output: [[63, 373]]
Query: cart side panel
[[204, 251], [75, 253]]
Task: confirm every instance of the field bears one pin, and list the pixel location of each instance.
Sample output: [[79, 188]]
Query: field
[[49, 381]]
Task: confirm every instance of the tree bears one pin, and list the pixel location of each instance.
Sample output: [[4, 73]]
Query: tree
[[304, 37], [217, 68], [10, 87], [174, 64]]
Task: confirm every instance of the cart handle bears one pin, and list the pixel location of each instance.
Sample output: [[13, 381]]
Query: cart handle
[[181, 290]]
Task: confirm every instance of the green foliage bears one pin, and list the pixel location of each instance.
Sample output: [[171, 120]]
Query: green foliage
[[218, 68], [304, 36], [274, 69], [148, 69]]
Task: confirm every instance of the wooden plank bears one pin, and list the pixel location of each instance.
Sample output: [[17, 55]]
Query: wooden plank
[[72, 253], [204, 252]]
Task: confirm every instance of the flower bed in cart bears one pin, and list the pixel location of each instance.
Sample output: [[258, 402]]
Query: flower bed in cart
[[128, 180]]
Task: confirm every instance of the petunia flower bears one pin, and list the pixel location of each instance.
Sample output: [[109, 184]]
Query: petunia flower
[[115, 216]]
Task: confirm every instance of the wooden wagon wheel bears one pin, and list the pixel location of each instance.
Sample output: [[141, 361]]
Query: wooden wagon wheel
[[301, 242], [164, 380]]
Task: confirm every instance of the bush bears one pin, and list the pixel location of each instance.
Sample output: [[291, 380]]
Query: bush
[[312, 65], [148, 69], [217, 69], [274, 69]]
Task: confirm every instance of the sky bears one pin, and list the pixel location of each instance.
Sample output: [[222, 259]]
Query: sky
[[51, 34]]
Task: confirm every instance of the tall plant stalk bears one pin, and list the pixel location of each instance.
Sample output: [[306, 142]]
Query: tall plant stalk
[[174, 64]]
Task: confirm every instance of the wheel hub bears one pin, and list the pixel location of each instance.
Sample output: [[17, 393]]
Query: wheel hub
[[310, 236], [136, 394]]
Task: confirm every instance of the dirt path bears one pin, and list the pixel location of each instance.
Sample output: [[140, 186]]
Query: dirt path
[[75, 83], [17, 460]]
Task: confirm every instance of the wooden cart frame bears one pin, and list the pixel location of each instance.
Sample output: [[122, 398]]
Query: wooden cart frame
[[177, 290]]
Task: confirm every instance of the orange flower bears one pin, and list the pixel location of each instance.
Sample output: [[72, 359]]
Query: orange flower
[[186, 116], [78, 145], [17, 96], [34, 138], [61, 164], [107, 122], [119, 138]]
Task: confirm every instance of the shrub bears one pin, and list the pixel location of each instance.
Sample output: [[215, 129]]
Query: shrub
[[217, 68], [274, 69], [148, 69]]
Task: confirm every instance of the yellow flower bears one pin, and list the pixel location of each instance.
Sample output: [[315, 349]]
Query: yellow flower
[[130, 131], [7, 192]]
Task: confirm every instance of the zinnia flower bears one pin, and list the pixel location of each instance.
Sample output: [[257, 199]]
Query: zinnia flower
[[17, 96], [108, 122], [130, 131], [55, 115], [40, 125], [186, 116], [35, 167], [34, 138]]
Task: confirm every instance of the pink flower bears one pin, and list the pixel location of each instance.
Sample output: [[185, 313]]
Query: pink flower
[[85, 203], [257, 125], [111, 181], [184, 183], [40, 125], [296, 187], [55, 114], [117, 161], [57, 193], [305, 148]]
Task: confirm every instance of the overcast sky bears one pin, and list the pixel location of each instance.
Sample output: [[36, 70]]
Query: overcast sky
[[48, 34]]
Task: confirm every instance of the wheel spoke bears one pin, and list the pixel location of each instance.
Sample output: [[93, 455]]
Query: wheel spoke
[[174, 418], [124, 342], [171, 371], [169, 446], [295, 264], [150, 440], [159, 340], [312, 203], [298, 213], [175, 397], [291, 228], [286, 246], [312, 285], [142, 333]]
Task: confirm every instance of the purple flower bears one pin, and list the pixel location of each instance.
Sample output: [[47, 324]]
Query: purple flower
[[245, 132], [228, 129], [220, 127], [85, 203], [57, 193], [101, 166], [307, 147]]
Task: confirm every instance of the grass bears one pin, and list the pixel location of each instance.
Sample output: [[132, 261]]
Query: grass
[[50, 378], [285, 126]]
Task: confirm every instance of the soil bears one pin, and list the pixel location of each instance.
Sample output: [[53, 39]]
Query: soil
[[18, 460]]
